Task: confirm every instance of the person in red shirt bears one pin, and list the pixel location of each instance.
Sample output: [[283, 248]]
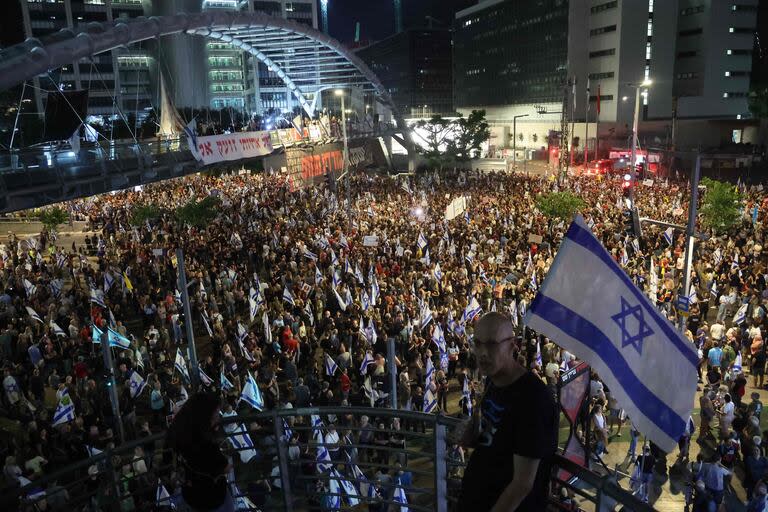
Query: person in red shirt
[[346, 384]]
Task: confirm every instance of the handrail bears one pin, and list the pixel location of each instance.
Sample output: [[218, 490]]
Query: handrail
[[589, 486]]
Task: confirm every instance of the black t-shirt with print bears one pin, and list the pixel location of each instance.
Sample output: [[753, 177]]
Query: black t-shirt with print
[[519, 419]]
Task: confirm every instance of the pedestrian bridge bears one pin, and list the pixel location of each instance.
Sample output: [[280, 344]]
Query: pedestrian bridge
[[306, 60]]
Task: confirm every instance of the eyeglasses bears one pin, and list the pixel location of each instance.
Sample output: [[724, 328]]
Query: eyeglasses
[[488, 345]]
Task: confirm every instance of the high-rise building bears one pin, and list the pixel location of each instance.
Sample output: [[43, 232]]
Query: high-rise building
[[517, 58], [118, 81], [415, 67]]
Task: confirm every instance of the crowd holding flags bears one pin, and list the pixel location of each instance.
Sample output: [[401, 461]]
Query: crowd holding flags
[[252, 394], [65, 410]]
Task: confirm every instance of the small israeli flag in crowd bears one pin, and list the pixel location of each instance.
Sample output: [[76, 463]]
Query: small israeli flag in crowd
[[97, 297], [118, 340], [181, 365], [251, 393], [741, 314], [668, 234], [649, 366], [163, 499], [243, 443], [471, 311], [309, 254], [421, 242], [29, 288], [323, 459], [399, 497], [33, 314], [225, 383], [330, 366], [367, 360], [206, 322], [205, 379], [57, 331], [65, 411], [467, 395], [137, 384], [108, 281], [351, 494], [318, 276], [375, 292], [288, 296]]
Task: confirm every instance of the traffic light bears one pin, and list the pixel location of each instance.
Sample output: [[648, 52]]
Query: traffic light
[[626, 186], [631, 222]]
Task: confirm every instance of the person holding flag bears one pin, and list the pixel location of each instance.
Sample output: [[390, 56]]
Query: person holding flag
[[511, 463]]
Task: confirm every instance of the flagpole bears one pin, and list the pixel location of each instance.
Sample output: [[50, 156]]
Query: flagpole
[[194, 375], [109, 368], [586, 127], [392, 368], [597, 125]]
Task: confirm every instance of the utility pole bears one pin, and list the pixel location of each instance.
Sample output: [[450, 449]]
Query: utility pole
[[194, 375], [690, 236], [563, 157], [109, 368], [514, 139], [340, 92]]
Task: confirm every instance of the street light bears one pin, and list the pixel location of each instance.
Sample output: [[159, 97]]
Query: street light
[[340, 92], [636, 117], [514, 139]]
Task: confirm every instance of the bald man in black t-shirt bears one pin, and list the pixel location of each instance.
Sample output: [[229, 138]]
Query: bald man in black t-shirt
[[514, 430]]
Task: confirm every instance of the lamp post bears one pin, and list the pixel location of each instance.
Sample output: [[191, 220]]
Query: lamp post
[[636, 117], [340, 92], [514, 139]]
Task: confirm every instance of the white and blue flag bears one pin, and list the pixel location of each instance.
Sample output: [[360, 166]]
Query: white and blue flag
[[242, 442], [330, 366], [592, 308], [29, 288], [288, 296], [309, 254], [65, 411], [399, 497], [367, 361], [137, 384], [741, 314], [204, 378], [225, 383], [108, 281], [251, 393], [668, 234], [33, 314], [422, 241], [181, 364], [162, 498]]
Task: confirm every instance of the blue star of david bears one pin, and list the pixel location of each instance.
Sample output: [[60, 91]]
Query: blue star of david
[[642, 326]]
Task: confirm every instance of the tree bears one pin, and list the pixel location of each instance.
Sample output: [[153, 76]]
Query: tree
[[758, 101], [561, 205], [199, 213], [471, 133], [721, 206], [438, 131], [51, 218], [143, 213]]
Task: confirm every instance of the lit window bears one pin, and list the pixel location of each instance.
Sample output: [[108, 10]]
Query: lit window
[[647, 51], [650, 5], [727, 73], [650, 28], [725, 95], [730, 30], [729, 52]]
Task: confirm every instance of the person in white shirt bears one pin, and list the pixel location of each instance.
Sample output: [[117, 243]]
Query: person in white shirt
[[332, 443], [726, 415]]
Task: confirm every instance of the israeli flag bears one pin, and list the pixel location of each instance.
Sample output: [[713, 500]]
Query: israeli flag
[[33, 314], [366, 301], [513, 313], [56, 286], [330, 366], [226, 384], [359, 275], [471, 311], [181, 365], [336, 277], [668, 234], [253, 304], [251, 394], [288, 296], [317, 427], [243, 443], [692, 297], [351, 494], [737, 368], [399, 497], [310, 314], [242, 502], [429, 373], [539, 360], [343, 242], [318, 276], [713, 289], [267, 329], [288, 433], [137, 383], [118, 340], [370, 332], [466, 217], [242, 332], [438, 273], [92, 452], [108, 281], [29, 288], [425, 260], [375, 292], [741, 314], [469, 258], [309, 254], [467, 395], [422, 241], [342, 304], [451, 323], [204, 378], [206, 322], [367, 361], [426, 316], [323, 459], [97, 297], [348, 268], [529, 264], [163, 499], [334, 259], [65, 411], [649, 366], [534, 284]]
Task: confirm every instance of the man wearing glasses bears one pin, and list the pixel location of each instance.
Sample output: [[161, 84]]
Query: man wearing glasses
[[513, 432]]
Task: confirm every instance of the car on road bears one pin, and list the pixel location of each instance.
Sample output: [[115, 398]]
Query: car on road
[[599, 167]]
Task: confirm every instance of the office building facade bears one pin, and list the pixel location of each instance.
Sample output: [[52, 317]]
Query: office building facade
[[415, 67], [697, 53], [119, 81]]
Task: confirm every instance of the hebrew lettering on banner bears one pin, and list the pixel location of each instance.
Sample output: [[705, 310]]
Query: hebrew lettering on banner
[[232, 146]]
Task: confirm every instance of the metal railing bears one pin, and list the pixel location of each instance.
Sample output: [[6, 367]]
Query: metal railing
[[279, 463]]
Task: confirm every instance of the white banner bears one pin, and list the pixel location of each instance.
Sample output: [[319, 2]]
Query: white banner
[[370, 241], [232, 146], [456, 208]]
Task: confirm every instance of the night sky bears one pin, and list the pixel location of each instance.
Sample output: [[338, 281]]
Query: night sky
[[377, 17]]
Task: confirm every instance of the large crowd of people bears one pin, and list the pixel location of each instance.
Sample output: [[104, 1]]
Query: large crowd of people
[[283, 283]]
